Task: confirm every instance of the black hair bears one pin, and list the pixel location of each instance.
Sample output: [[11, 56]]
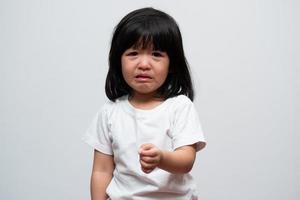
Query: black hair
[[144, 28]]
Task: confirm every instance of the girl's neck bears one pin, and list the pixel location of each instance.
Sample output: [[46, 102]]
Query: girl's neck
[[144, 101]]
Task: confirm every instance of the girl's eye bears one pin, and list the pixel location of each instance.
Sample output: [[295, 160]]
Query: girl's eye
[[157, 54], [132, 53]]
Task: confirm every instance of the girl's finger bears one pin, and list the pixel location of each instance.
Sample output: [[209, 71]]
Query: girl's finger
[[147, 171], [148, 159], [146, 146], [147, 165], [150, 152]]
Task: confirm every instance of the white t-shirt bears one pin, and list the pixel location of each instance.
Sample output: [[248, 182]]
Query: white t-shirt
[[119, 129]]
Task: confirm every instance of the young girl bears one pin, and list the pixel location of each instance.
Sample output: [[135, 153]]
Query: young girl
[[146, 137]]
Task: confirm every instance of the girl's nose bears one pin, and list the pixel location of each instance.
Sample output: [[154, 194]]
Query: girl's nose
[[144, 62]]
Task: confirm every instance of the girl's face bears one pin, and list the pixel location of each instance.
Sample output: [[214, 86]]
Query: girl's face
[[144, 70]]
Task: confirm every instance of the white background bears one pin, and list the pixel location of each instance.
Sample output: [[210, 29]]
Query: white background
[[244, 55]]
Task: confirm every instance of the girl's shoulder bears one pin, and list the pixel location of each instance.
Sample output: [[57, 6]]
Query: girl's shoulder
[[110, 106], [180, 100], [180, 104]]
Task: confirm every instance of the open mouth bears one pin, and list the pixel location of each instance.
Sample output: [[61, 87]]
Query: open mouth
[[143, 77]]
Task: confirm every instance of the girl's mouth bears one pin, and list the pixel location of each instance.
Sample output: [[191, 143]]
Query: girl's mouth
[[142, 78]]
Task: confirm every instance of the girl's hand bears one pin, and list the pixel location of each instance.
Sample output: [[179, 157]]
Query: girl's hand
[[150, 157]]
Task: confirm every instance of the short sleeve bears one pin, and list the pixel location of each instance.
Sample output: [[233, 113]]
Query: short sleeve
[[186, 129], [97, 134]]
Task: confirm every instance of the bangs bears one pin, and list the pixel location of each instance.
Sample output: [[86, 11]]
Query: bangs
[[148, 34]]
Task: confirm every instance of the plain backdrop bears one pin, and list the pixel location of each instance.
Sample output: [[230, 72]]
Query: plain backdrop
[[244, 58]]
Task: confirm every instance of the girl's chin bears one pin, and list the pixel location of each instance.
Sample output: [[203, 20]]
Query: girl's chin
[[144, 92]]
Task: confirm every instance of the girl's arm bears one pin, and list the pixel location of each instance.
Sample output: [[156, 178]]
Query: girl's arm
[[102, 174], [179, 161]]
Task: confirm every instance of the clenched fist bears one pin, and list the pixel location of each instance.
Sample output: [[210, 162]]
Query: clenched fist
[[150, 157]]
